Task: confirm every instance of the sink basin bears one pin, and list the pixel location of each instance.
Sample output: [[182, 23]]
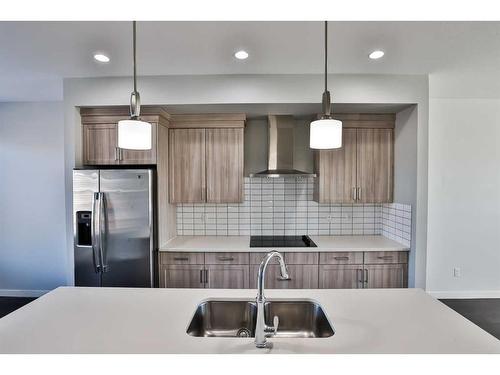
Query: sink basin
[[297, 319]]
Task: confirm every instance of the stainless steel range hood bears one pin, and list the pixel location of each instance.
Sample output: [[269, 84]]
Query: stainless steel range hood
[[280, 158]]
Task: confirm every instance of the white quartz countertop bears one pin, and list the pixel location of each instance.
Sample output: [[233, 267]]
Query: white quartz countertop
[[242, 244], [119, 320]]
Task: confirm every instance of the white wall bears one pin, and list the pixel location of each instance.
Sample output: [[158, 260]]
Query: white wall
[[405, 179], [33, 252], [222, 89], [464, 191]]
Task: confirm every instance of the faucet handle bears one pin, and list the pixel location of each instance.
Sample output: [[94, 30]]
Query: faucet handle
[[276, 322], [271, 330]]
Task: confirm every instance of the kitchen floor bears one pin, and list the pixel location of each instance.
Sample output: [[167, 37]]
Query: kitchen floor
[[483, 312], [9, 304]]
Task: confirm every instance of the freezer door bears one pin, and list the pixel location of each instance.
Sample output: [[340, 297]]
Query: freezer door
[[127, 228], [85, 187]]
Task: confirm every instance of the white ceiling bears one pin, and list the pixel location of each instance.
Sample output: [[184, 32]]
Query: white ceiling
[[35, 56]]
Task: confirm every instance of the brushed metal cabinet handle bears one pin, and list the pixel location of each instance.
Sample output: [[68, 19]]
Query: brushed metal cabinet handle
[[183, 259], [341, 258], [359, 273], [201, 276], [385, 257], [358, 193], [225, 259], [353, 193], [206, 276], [366, 276], [116, 154]]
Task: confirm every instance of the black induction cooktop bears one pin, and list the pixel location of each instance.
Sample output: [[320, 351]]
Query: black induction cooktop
[[281, 241]]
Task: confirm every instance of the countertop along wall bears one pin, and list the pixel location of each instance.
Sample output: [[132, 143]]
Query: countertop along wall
[[241, 89]]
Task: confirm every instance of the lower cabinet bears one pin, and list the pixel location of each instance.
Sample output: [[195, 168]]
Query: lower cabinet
[[302, 276], [182, 276], [340, 276], [386, 276], [349, 270], [227, 276]]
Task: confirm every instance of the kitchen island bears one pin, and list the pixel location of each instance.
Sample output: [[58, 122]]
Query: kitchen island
[[119, 320]]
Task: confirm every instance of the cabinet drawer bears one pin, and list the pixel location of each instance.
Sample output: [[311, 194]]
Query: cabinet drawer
[[354, 257], [386, 257], [302, 258], [301, 277], [256, 258], [290, 258], [182, 258], [226, 258]]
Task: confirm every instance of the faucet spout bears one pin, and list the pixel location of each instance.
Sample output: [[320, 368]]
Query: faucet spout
[[263, 331]]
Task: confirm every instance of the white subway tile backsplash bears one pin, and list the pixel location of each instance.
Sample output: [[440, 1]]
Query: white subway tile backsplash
[[277, 206]]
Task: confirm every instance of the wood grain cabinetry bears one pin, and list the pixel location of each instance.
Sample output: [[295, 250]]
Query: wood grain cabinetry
[[386, 276], [100, 142], [206, 159], [362, 169], [100, 136], [182, 276], [227, 276], [374, 165], [302, 276], [336, 170], [187, 165], [340, 277], [224, 148], [307, 270]]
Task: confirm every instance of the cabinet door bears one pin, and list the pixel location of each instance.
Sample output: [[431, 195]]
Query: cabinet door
[[336, 171], [340, 277], [365, 165], [182, 276], [386, 276], [383, 164], [224, 149], [187, 165], [301, 277], [141, 156], [375, 180], [228, 277], [100, 144]]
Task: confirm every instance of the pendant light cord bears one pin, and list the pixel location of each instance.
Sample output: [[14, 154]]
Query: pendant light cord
[[134, 43], [326, 56]]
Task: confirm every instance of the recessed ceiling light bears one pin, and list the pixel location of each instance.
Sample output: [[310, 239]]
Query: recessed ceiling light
[[377, 54], [241, 55], [101, 58]]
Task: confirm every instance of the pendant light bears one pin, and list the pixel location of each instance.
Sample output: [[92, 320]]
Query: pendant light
[[134, 134], [326, 133]]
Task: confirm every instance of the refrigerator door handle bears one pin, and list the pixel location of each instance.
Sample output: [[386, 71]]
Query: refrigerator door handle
[[102, 233], [94, 232]]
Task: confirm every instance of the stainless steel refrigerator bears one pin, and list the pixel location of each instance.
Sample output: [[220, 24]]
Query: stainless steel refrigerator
[[113, 227]]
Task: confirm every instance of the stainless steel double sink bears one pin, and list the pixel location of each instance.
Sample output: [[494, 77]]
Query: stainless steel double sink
[[237, 318]]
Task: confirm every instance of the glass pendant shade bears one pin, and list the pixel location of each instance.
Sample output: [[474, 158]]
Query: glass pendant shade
[[134, 135], [325, 134]]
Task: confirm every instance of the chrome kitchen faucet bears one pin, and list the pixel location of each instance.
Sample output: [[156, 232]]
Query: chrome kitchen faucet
[[263, 331]]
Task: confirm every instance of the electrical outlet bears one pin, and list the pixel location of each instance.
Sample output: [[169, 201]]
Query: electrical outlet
[[457, 272]]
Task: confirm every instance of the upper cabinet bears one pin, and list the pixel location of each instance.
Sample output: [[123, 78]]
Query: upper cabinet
[[187, 165], [361, 171], [206, 158], [100, 139]]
